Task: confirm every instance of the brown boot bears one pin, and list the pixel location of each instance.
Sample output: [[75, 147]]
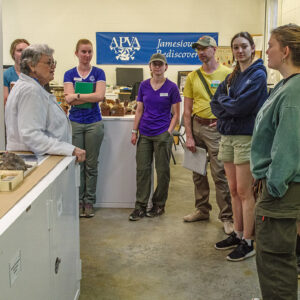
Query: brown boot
[[198, 215]]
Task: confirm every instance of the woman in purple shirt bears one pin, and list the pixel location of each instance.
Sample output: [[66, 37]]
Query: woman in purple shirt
[[157, 97]]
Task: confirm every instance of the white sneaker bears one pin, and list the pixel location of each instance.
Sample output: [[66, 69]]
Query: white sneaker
[[228, 227]]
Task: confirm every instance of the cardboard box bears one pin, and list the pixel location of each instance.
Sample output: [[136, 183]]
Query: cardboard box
[[10, 179]]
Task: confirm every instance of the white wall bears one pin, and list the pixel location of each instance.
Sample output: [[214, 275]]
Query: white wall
[[290, 10], [286, 11], [60, 23]]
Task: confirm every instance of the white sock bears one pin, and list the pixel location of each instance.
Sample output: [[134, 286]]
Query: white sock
[[249, 241], [239, 234]]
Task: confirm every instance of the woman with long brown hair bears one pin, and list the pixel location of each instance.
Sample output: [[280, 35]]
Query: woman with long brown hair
[[235, 104]]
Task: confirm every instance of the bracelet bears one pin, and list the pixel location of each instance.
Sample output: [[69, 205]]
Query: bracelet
[[134, 131], [78, 96]]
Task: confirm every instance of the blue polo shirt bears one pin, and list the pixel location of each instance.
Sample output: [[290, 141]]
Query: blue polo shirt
[[85, 115], [10, 75]]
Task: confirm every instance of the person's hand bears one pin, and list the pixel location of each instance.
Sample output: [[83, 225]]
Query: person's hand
[[133, 138], [214, 124], [190, 144], [79, 153], [70, 98]]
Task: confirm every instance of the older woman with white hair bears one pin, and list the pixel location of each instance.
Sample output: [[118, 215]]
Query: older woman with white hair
[[34, 120]]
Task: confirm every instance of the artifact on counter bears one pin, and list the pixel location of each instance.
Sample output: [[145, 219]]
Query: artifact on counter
[[65, 108], [11, 161], [133, 106], [117, 109], [58, 92], [105, 108], [12, 84], [128, 109], [9, 180], [110, 102]]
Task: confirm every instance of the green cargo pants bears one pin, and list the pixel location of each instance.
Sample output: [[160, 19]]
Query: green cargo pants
[[88, 137], [161, 146], [276, 238]]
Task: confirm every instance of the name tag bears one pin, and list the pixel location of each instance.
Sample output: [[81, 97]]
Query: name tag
[[163, 94], [215, 83], [77, 79]]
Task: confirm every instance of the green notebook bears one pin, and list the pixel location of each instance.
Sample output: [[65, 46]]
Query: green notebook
[[84, 88]]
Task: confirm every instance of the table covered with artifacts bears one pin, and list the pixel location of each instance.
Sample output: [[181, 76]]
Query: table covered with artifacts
[[39, 232]]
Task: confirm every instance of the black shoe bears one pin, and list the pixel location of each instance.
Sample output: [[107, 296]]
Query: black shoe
[[137, 214], [242, 252], [231, 242], [155, 211]]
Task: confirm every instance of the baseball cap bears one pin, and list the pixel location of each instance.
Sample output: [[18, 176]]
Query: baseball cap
[[158, 57], [205, 41]]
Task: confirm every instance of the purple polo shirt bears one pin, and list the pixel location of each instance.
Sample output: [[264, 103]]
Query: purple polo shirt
[[156, 117]]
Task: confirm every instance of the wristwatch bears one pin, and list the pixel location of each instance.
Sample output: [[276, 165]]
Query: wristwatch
[[134, 131]]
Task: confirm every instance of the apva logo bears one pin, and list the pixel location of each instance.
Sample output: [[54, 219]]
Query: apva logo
[[125, 47]]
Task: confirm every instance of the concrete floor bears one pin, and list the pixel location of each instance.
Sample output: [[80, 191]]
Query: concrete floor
[[161, 258]]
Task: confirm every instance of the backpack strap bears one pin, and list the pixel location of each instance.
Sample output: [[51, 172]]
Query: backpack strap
[[204, 83]]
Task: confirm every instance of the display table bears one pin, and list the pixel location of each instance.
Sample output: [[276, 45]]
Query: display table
[[39, 238], [116, 184]]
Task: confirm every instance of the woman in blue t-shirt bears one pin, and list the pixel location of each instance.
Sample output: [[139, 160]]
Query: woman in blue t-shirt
[[157, 96], [84, 87], [11, 75]]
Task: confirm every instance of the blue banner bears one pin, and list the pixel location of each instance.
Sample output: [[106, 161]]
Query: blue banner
[[136, 48]]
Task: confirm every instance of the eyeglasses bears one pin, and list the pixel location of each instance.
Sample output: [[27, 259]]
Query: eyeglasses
[[50, 63]]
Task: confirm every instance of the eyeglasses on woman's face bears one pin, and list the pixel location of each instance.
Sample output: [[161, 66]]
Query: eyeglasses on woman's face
[[50, 62]]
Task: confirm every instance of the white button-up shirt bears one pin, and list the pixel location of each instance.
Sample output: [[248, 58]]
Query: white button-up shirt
[[35, 121]]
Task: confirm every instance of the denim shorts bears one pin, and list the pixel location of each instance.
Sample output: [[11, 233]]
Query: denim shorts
[[235, 148]]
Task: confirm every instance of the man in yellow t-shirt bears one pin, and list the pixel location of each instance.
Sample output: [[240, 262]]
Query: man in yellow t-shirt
[[200, 125]]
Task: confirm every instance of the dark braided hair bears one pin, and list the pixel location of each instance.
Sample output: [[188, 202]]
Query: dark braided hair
[[246, 35]]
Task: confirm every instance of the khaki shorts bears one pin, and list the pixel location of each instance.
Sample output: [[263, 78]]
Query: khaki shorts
[[235, 148]]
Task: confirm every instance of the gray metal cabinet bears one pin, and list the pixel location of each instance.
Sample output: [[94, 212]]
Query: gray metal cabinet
[[39, 240]]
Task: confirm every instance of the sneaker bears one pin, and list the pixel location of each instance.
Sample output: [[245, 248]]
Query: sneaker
[[89, 210], [231, 242], [228, 227], [137, 214], [198, 215], [81, 210], [155, 211], [242, 252]]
